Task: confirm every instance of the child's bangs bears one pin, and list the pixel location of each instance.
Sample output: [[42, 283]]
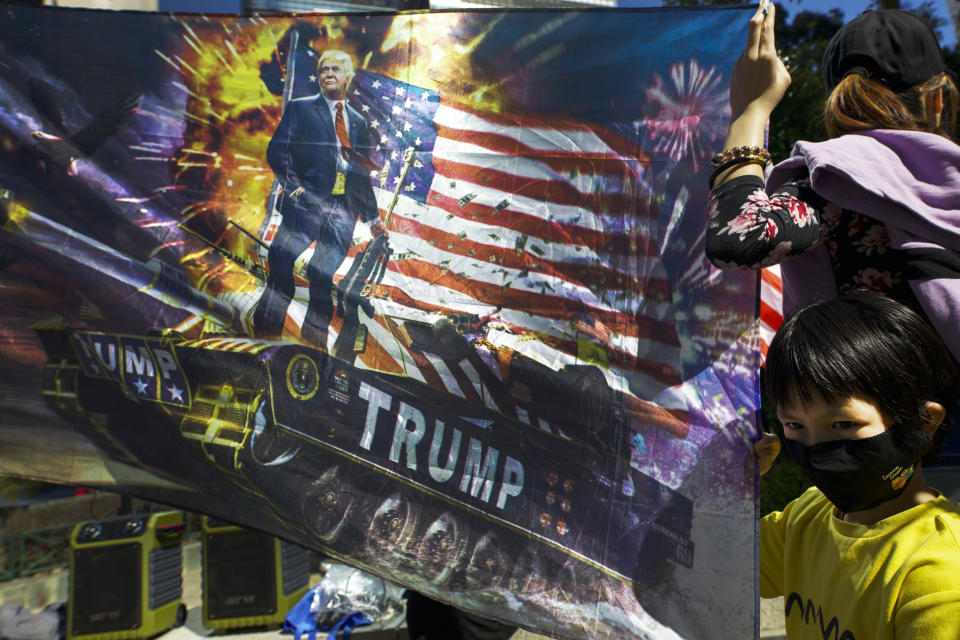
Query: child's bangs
[[807, 370]]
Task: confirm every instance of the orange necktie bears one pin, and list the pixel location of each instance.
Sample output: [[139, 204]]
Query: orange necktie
[[341, 126]]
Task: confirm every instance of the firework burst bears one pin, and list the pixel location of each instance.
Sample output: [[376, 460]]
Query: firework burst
[[689, 114]]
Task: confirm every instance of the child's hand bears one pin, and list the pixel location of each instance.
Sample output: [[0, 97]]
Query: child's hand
[[766, 449]]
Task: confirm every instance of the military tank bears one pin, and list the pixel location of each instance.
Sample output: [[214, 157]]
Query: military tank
[[525, 489]]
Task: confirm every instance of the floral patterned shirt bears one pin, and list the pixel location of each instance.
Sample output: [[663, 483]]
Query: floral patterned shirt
[[748, 228]]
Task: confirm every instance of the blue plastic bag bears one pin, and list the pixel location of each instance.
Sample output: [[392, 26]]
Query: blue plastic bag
[[301, 620]]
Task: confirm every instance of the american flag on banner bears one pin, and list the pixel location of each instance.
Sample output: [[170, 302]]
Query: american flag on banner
[[540, 228], [771, 306]]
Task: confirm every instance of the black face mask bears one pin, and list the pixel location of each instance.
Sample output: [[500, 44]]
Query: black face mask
[[860, 474]]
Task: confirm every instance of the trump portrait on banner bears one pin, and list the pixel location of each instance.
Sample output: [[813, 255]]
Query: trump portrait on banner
[[318, 154]]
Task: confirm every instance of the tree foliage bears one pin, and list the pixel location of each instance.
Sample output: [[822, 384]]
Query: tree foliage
[[801, 40]]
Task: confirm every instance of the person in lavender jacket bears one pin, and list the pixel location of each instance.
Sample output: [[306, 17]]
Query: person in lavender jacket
[[877, 205]]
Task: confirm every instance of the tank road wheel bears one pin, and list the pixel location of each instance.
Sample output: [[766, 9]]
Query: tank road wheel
[[488, 563], [441, 548], [326, 504], [269, 445], [533, 575], [391, 522]]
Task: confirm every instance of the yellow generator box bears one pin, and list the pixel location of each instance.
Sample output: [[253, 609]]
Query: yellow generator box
[[250, 578], [125, 577]]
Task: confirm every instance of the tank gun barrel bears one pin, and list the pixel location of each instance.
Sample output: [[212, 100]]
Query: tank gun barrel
[[154, 278]]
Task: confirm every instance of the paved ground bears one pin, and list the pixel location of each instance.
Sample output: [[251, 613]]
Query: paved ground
[[771, 612], [36, 592], [193, 599]]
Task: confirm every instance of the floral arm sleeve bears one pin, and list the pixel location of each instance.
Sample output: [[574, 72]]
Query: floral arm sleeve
[[749, 229]]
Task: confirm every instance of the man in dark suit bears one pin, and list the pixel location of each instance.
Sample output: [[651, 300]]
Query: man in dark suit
[[319, 154]]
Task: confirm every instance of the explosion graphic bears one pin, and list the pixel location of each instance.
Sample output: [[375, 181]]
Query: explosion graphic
[[688, 116], [229, 115]]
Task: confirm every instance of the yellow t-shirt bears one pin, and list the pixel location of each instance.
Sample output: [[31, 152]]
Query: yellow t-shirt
[[896, 579]]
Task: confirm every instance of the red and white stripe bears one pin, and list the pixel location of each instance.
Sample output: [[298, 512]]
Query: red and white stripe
[[771, 306], [532, 222]]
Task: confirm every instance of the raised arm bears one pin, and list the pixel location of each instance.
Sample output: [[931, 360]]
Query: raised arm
[[749, 229], [757, 85]]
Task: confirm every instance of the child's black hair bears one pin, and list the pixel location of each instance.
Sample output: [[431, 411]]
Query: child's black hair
[[864, 345]]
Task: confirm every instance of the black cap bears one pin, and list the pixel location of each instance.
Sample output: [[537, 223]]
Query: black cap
[[894, 47]]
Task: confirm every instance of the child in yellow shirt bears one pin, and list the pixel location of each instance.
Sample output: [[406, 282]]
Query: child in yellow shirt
[[865, 391]]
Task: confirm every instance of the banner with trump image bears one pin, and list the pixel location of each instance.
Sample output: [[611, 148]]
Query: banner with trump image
[[425, 292]]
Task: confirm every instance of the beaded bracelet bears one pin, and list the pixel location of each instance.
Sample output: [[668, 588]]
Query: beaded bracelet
[[741, 152], [729, 164]]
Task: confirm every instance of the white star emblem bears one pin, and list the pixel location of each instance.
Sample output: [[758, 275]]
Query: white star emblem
[[310, 53], [175, 393], [376, 83], [398, 133], [313, 78], [418, 141], [397, 109], [365, 108], [141, 386], [407, 126], [393, 154], [374, 124], [408, 103], [400, 91]]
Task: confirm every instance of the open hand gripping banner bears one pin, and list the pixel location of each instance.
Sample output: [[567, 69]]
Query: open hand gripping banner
[[424, 291]]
